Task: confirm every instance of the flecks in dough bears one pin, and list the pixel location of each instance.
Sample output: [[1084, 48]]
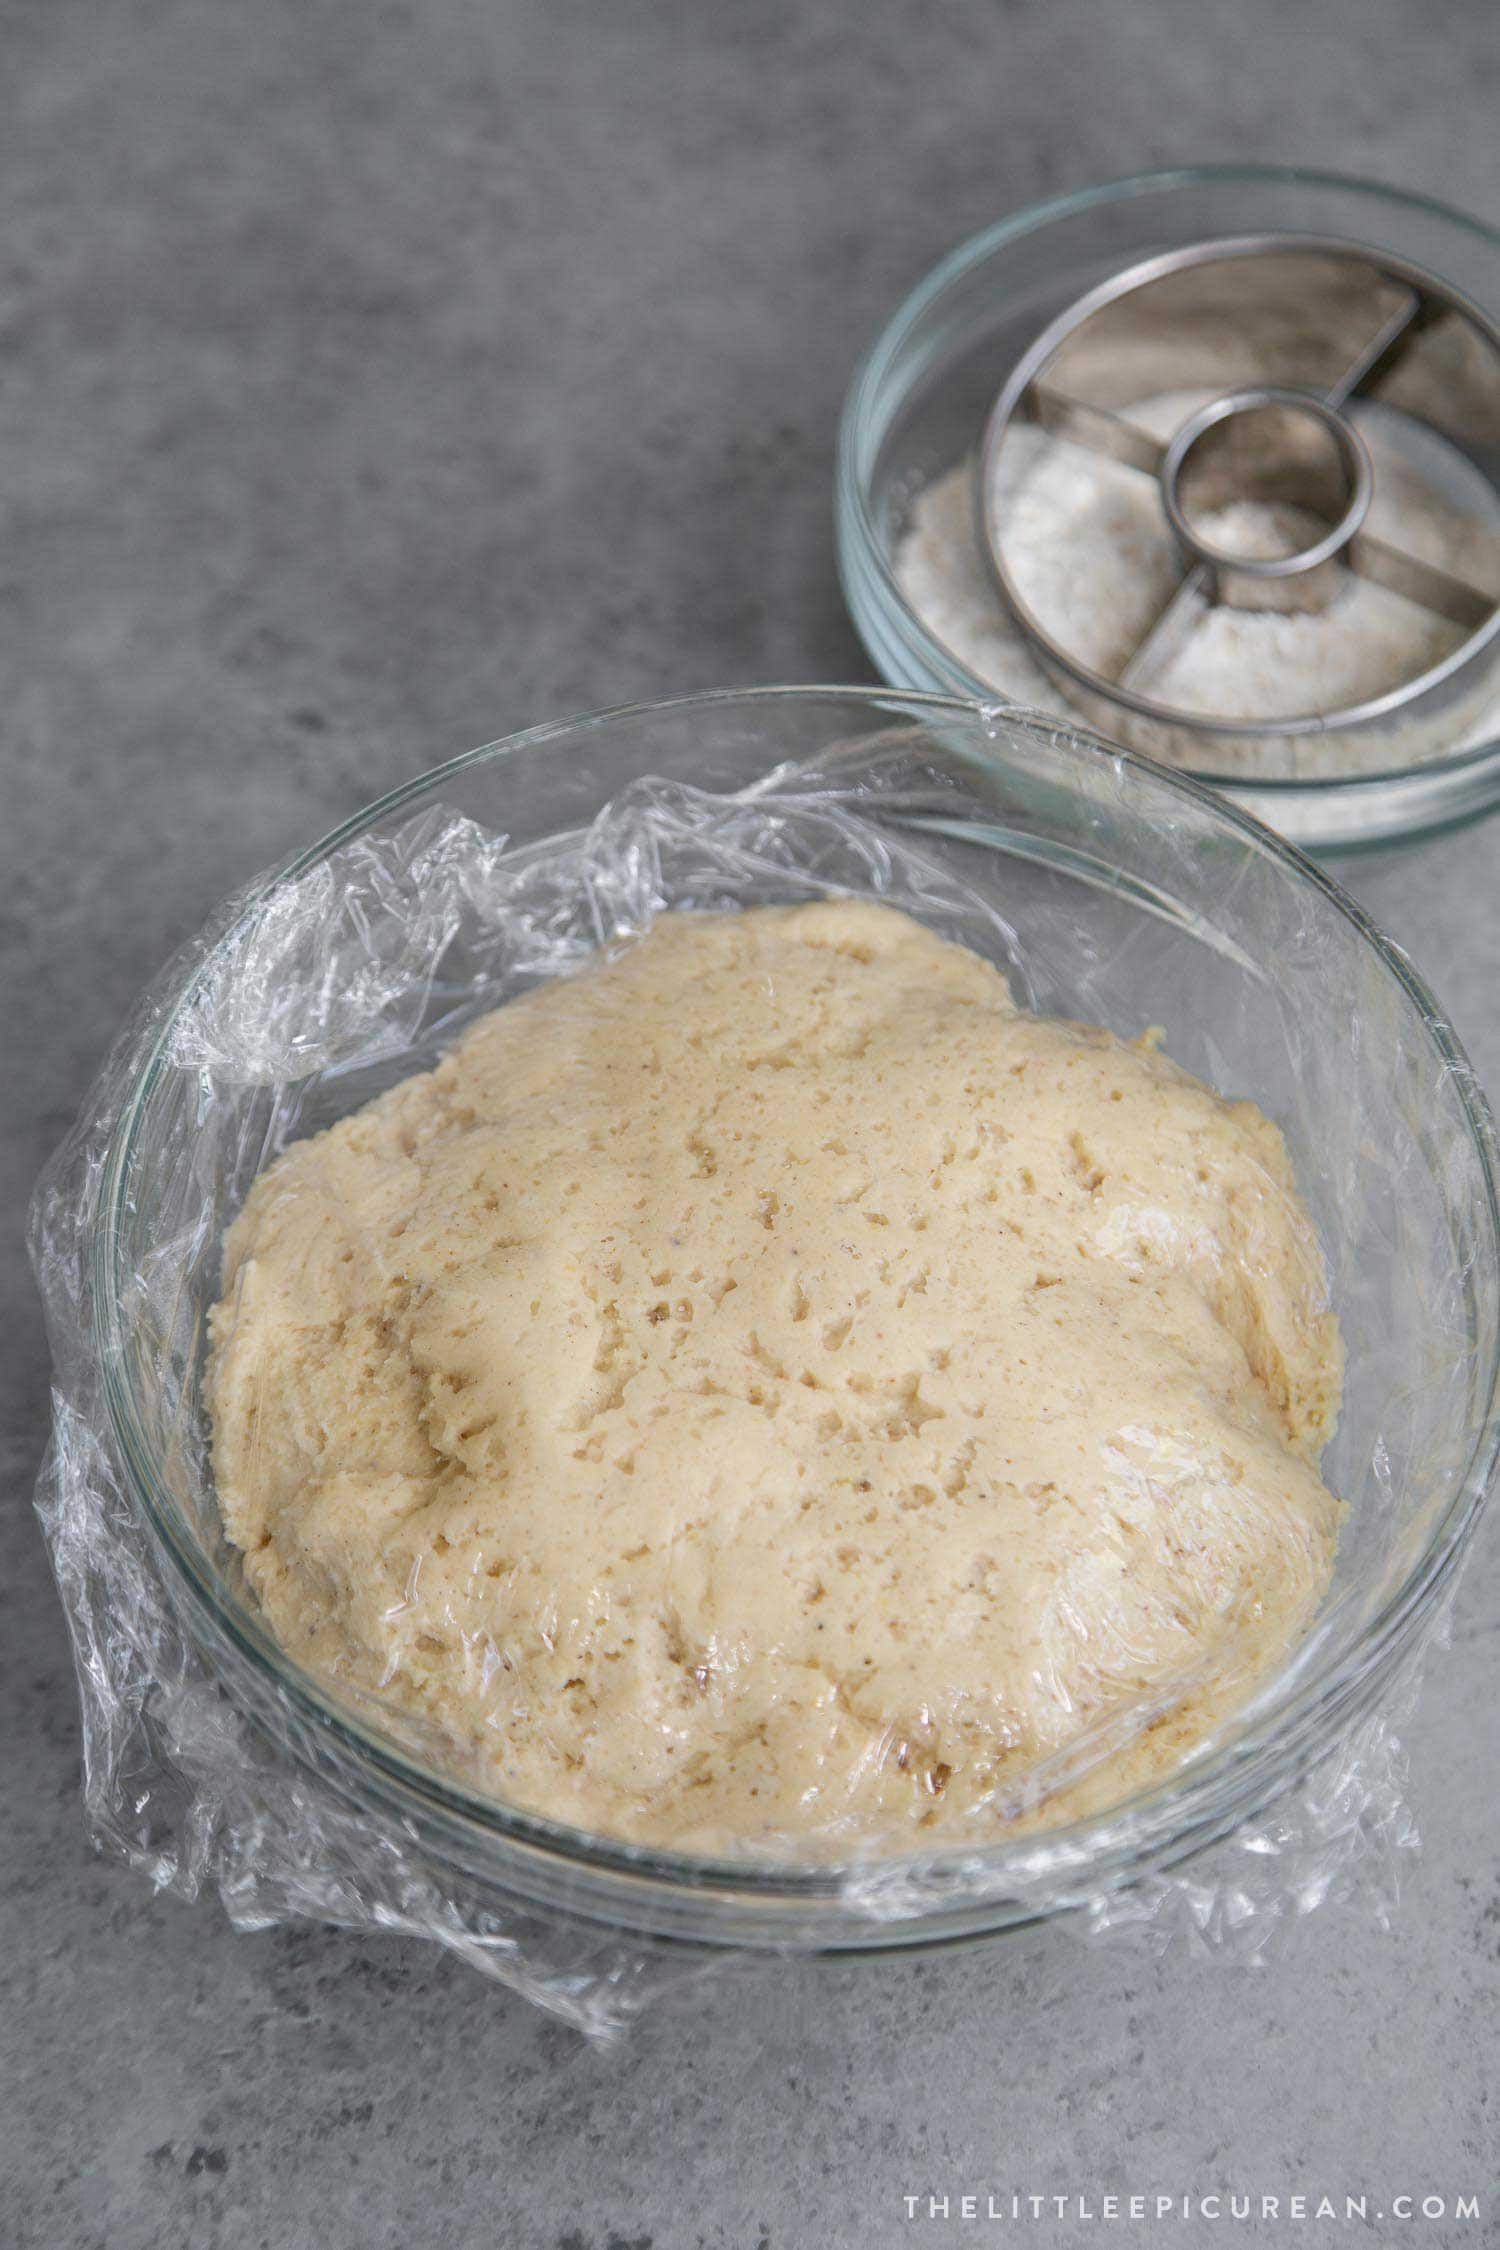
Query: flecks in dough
[[768, 1388]]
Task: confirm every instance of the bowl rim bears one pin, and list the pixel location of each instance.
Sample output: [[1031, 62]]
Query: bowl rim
[[851, 498], [1263, 1758]]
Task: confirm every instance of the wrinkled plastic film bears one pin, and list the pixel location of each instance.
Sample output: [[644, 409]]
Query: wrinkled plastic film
[[310, 994]]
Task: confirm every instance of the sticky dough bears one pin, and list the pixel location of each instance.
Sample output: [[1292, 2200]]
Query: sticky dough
[[770, 1390]]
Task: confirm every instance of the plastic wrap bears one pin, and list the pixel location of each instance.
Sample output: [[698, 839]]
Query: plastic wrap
[[208, 1763]]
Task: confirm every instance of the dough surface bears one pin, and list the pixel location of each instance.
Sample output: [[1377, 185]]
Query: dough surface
[[770, 1390]]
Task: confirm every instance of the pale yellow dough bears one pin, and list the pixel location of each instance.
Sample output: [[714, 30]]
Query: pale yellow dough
[[769, 1389]]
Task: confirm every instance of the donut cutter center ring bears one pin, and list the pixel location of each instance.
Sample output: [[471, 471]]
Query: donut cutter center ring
[[1282, 451], [1266, 490]]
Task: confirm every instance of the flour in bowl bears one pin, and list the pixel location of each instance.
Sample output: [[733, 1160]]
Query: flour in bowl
[[1091, 554]]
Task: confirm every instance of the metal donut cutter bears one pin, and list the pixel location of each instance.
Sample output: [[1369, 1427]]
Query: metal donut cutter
[[1307, 350]]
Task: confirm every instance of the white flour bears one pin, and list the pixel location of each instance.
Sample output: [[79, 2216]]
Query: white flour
[[1091, 555]]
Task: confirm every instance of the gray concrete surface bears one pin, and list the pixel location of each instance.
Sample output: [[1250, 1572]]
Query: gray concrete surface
[[377, 378]]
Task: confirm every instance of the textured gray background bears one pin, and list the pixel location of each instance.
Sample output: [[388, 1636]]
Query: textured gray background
[[378, 378]]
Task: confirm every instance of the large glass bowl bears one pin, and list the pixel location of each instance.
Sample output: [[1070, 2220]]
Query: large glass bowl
[[1135, 897], [919, 401]]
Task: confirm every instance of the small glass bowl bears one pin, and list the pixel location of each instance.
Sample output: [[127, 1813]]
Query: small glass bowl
[[919, 402], [1135, 897]]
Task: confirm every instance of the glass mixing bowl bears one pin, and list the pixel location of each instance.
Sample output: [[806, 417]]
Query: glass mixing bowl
[[1134, 897], [918, 404]]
